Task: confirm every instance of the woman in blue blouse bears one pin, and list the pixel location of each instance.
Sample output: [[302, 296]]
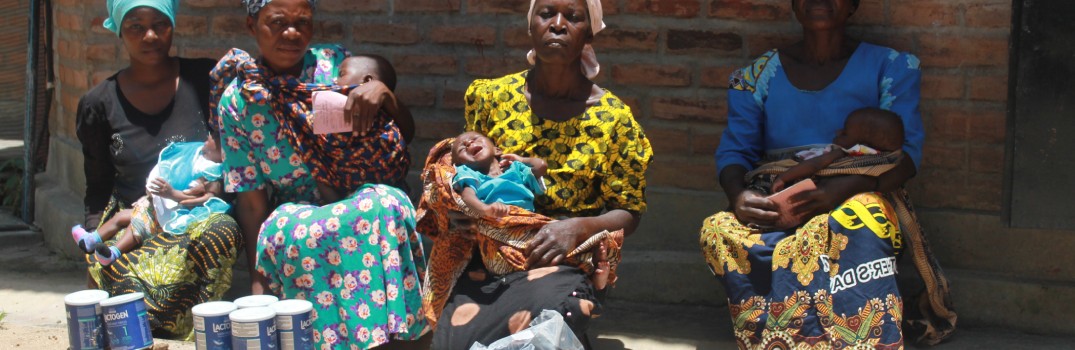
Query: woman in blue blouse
[[831, 280]]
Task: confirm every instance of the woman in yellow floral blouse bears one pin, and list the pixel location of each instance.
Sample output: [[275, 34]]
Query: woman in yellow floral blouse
[[597, 157]]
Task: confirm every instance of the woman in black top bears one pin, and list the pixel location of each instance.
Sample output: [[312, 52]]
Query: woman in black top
[[123, 124]]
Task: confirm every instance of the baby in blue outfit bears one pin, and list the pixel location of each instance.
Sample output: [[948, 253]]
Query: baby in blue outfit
[[490, 181]]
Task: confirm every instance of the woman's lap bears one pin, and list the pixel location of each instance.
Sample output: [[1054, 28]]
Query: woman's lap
[[832, 280], [498, 300], [357, 260], [175, 272]]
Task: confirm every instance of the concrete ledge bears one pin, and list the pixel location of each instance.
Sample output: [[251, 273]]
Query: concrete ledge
[[667, 277]]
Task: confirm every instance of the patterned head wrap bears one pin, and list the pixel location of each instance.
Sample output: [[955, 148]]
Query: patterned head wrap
[[253, 6], [590, 66], [119, 8]]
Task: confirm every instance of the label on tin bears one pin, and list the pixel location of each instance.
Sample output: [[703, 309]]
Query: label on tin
[[254, 335], [212, 333], [85, 327], [128, 326], [295, 331]]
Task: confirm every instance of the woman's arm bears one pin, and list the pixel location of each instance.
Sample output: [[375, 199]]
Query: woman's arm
[[94, 133], [251, 210], [551, 244]]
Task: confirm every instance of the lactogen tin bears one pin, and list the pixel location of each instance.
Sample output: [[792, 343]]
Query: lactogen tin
[[212, 328], [255, 301], [294, 324], [253, 328], [85, 326], [127, 322]]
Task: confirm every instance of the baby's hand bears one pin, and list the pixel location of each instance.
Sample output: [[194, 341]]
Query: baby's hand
[[160, 186], [196, 189], [497, 210], [507, 158]]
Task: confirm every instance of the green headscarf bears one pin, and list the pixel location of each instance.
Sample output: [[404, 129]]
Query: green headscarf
[[119, 8]]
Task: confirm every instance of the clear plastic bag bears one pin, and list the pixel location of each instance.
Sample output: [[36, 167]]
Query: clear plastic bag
[[546, 332]]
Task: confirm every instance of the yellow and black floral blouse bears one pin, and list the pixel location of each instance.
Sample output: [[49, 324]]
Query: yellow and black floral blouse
[[597, 160]]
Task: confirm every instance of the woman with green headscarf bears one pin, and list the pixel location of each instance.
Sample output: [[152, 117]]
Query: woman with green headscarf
[[123, 123]]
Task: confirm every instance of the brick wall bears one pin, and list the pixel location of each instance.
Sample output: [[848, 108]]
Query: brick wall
[[670, 60]]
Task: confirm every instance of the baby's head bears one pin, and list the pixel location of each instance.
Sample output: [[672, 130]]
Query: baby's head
[[475, 151], [361, 69], [874, 127], [211, 149]]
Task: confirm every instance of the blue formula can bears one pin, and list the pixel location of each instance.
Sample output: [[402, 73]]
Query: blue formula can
[[127, 322], [253, 328], [85, 326], [294, 324], [212, 327], [263, 300]]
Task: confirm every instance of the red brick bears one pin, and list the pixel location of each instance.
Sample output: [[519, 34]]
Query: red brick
[[69, 101], [923, 13], [70, 22], [946, 124], [624, 39], [651, 75], [870, 12], [495, 66], [520, 37], [97, 26], [712, 110], [498, 6], [70, 49], [670, 8], [948, 51], [328, 31], [989, 88], [879, 36], [693, 41], [230, 26], [352, 5], [610, 7], [988, 15], [940, 188], [705, 143], [693, 173], [751, 10], [426, 64], [717, 77], [77, 78], [983, 192], [987, 159], [386, 33], [417, 96], [101, 52], [191, 25], [761, 43], [437, 129], [453, 99], [942, 86], [206, 52], [472, 35], [944, 157], [216, 3], [987, 126], [669, 141], [428, 5]]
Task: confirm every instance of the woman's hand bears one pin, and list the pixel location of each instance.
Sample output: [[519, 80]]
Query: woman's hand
[[363, 104], [552, 243], [754, 210], [830, 193]]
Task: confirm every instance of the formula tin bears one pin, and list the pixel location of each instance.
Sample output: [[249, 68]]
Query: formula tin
[[85, 326], [212, 327], [294, 324], [253, 328], [127, 322], [263, 300]]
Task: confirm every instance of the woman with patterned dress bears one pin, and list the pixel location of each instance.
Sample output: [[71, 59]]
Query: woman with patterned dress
[[123, 123], [830, 282], [597, 156], [357, 260]]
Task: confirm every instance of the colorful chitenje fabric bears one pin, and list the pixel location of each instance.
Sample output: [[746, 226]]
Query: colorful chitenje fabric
[[502, 241], [174, 271], [359, 261], [244, 89]]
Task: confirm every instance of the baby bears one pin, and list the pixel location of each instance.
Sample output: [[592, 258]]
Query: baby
[[358, 70], [195, 164], [866, 131], [490, 181]]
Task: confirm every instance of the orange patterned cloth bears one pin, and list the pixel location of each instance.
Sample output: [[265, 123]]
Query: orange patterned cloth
[[501, 241]]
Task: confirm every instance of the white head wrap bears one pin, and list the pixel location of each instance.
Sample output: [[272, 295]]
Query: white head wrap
[[590, 66]]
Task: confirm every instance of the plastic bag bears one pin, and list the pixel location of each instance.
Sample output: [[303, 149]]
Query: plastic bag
[[547, 332]]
